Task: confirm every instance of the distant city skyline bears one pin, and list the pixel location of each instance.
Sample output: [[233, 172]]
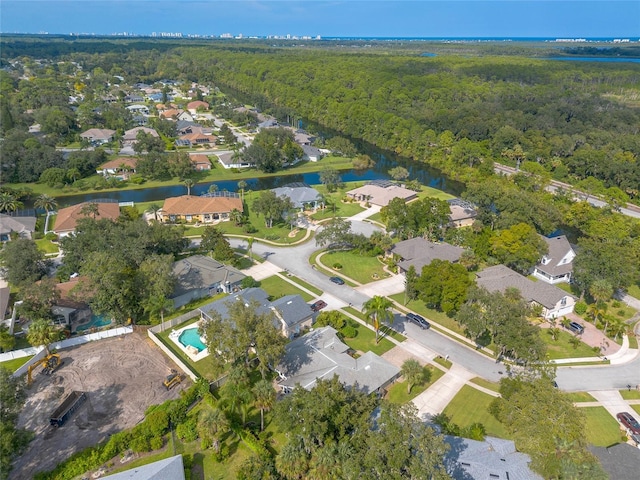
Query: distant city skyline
[[338, 18]]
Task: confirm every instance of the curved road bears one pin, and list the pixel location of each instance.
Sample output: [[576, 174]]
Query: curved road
[[295, 259]]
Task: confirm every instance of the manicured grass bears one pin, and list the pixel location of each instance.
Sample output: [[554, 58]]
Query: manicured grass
[[634, 290], [398, 391], [338, 208], [577, 397], [470, 406], [430, 192], [494, 387], [365, 341], [361, 269], [383, 330], [277, 287], [47, 246], [437, 317], [636, 408], [16, 363], [561, 348], [442, 362], [630, 394], [601, 428], [304, 284], [192, 306]]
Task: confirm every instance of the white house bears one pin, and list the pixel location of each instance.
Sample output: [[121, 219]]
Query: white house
[[557, 265]]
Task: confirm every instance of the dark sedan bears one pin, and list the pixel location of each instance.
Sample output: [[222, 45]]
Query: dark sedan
[[319, 305], [337, 280]]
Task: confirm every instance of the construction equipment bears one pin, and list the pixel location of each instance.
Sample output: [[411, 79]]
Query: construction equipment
[[49, 364], [64, 411], [172, 380]]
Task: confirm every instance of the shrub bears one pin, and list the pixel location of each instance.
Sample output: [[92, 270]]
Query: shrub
[[337, 266], [349, 332], [616, 304], [248, 228], [140, 444], [580, 308], [51, 236], [156, 443], [187, 431], [248, 282]]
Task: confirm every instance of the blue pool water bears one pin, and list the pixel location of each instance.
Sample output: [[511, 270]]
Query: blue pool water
[[97, 321], [191, 337]]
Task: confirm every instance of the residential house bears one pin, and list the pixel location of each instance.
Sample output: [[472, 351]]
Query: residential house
[[418, 252], [185, 116], [268, 123], [131, 136], [302, 196], [98, 136], [22, 226], [183, 127], [197, 139], [139, 109], [320, 355], [229, 160], [199, 276], [557, 265], [119, 167], [67, 218], [200, 162], [290, 314], [70, 310], [492, 458], [463, 213], [554, 302], [381, 192], [209, 208], [168, 468], [312, 154], [303, 138], [621, 461], [134, 98], [193, 107], [171, 114]]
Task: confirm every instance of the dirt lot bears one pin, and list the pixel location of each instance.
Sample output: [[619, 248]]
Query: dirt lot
[[122, 377]]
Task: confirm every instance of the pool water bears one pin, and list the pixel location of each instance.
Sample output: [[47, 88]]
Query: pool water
[[191, 337], [96, 321]]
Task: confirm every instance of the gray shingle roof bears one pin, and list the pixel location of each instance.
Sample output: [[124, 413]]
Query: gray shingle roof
[[198, 272], [558, 249], [298, 195], [499, 278], [321, 354], [292, 309], [420, 252], [494, 458], [17, 224], [621, 461]]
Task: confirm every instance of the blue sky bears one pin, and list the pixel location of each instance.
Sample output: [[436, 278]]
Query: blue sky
[[342, 18]]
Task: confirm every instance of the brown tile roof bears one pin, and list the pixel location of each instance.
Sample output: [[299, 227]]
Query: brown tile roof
[[68, 217], [199, 159], [128, 161], [197, 104], [194, 137], [193, 205], [171, 113]]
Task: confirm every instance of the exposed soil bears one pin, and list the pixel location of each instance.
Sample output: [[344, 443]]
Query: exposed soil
[[122, 376]]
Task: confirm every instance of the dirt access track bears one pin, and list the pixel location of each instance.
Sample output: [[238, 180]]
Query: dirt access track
[[122, 376]]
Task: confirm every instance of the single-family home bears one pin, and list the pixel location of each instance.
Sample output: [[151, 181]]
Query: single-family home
[[134, 98], [557, 265], [321, 354], [98, 136], [302, 196], [200, 161], [268, 123], [138, 108], [120, 166], [620, 461], [170, 114], [303, 138], [492, 458], [185, 116], [131, 136], [229, 160], [554, 302], [198, 276], [183, 127], [381, 192], [196, 105], [67, 218], [209, 208], [22, 226], [171, 467], [463, 213], [70, 309], [418, 252], [310, 153], [197, 139]]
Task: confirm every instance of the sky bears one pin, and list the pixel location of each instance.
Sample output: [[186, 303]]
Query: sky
[[329, 18]]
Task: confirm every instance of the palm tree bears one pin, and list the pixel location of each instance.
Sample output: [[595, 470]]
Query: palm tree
[[413, 373], [46, 202], [596, 312], [601, 290], [292, 461], [213, 188], [212, 424], [378, 310], [264, 398], [159, 305], [188, 182], [154, 208], [236, 216], [9, 203], [242, 185], [41, 332], [90, 208], [250, 241]]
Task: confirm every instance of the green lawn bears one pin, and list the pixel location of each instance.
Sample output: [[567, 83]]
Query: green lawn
[[361, 269], [470, 406], [634, 290], [440, 318], [277, 287], [442, 362], [636, 408], [365, 341], [561, 348], [601, 428], [16, 363], [383, 330], [304, 284], [47, 246], [630, 394], [398, 391], [495, 387], [577, 397]]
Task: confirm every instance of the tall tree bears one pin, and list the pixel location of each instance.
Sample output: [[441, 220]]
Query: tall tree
[[212, 425], [42, 333], [330, 178], [22, 261], [411, 291], [412, 372], [90, 209], [188, 182], [264, 398], [336, 233], [271, 207], [378, 310], [12, 440], [9, 203], [46, 202]]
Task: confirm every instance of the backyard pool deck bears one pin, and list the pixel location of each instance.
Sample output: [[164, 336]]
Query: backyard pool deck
[[189, 351]]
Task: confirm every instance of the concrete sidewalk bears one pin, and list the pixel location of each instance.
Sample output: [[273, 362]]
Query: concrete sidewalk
[[614, 403], [366, 213], [434, 400], [622, 356]]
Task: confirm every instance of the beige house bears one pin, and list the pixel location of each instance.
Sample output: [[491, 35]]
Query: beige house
[[381, 192], [463, 214], [67, 218], [210, 208]]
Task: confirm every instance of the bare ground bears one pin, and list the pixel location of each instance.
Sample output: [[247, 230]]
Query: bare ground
[[122, 377]]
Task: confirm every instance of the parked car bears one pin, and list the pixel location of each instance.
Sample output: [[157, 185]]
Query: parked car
[[337, 280], [319, 305], [575, 327], [629, 422], [418, 320]]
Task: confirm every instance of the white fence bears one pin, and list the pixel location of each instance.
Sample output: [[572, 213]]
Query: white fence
[[183, 366], [69, 342]]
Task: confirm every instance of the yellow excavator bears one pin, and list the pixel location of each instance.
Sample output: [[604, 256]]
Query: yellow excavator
[[49, 364], [172, 380]]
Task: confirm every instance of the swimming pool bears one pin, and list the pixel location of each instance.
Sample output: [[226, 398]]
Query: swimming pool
[[191, 337], [96, 321]]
